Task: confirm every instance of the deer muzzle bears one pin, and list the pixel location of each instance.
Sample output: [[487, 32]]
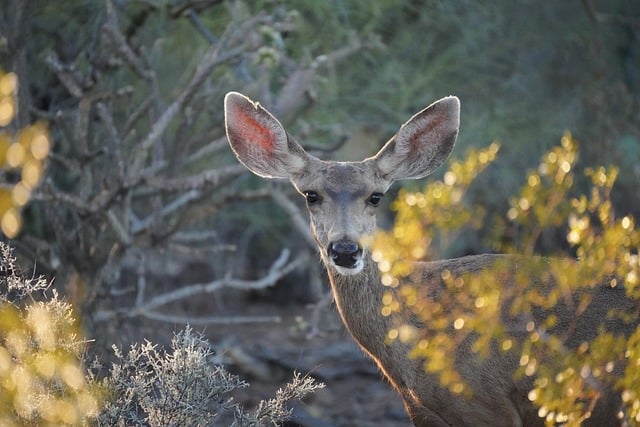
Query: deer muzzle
[[346, 254]]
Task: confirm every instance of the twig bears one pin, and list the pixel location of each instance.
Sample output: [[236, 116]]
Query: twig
[[197, 236], [296, 216], [142, 278], [135, 115], [124, 237], [211, 320], [206, 178], [202, 29], [115, 140], [110, 28], [316, 312], [277, 271], [180, 201], [64, 73], [210, 60], [211, 147], [608, 18], [47, 193]]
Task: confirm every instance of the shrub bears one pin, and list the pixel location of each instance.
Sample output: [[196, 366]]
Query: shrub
[[42, 379], [567, 377], [150, 386]]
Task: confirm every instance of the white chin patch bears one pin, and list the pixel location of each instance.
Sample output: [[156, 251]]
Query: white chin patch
[[350, 271]]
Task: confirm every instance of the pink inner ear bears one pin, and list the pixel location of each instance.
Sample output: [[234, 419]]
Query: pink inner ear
[[251, 130], [417, 139]]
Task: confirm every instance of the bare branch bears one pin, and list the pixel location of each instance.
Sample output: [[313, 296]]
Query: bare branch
[[209, 148], [175, 205], [296, 92], [111, 30], [47, 193], [608, 18], [195, 20], [210, 60], [206, 178], [119, 229], [211, 320], [277, 271], [64, 73], [296, 216]]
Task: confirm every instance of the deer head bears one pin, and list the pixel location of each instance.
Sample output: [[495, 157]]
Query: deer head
[[341, 196]]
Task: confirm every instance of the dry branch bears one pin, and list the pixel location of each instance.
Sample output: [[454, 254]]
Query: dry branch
[[296, 216], [609, 18], [210, 320], [278, 269], [210, 60], [203, 179], [121, 185]]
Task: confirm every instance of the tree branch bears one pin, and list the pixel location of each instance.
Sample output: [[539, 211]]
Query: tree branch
[[203, 179], [211, 320], [277, 271], [210, 60], [296, 216]]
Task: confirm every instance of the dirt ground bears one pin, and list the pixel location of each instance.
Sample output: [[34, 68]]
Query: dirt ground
[[267, 354]]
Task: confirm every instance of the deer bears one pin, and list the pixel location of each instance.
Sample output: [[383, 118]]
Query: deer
[[342, 198]]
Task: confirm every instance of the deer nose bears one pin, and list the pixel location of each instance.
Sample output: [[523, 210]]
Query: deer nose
[[345, 253]]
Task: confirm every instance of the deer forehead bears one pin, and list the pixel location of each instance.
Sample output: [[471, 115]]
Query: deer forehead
[[341, 181]]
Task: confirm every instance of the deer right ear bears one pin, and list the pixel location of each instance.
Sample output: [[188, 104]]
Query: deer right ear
[[423, 143], [258, 139]]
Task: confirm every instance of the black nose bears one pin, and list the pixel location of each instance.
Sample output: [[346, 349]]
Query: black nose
[[345, 253]]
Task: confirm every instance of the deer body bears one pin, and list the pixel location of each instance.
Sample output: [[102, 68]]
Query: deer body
[[359, 299], [342, 198]]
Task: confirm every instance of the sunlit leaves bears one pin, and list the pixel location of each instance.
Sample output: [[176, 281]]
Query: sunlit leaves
[[436, 212], [472, 310], [42, 381], [543, 200], [8, 87], [22, 155]]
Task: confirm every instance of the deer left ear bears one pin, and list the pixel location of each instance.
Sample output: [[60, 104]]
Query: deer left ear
[[258, 139], [423, 143]]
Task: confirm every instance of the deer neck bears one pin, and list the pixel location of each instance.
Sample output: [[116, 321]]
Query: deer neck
[[359, 301]]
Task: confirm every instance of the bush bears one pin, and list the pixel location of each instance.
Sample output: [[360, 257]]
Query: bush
[[150, 386], [42, 378], [44, 381], [568, 372]]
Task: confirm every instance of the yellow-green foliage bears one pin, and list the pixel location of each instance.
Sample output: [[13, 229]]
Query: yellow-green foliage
[[543, 201], [42, 380], [24, 153], [566, 384], [437, 212]]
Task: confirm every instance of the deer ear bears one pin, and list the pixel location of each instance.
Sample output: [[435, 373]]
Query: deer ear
[[423, 143], [258, 139]]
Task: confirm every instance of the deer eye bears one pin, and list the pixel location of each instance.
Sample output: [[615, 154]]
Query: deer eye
[[375, 198], [312, 197]]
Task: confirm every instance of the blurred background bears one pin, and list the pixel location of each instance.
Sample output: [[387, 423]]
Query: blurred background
[[147, 221]]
